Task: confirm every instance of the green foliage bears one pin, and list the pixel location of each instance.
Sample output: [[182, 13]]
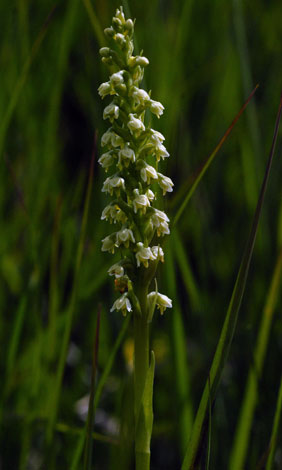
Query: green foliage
[[205, 58]]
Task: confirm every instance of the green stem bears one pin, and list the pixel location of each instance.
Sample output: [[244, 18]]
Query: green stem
[[141, 367]]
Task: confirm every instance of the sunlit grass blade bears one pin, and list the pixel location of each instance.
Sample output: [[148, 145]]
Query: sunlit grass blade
[[91, 413], [94, 22], [186, 272], [242, 435], [275, 429], [71, 308], [6, 119], [100, 386], [182, 376], [230, 322], [209, 160]]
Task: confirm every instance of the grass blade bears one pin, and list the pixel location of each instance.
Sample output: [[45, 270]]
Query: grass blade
[[228, 329], [100, 386], [95, 23], [275, 429], [5, 121], [91, 413], [71, 308], [209, 160], [240, 445], [182, 373]]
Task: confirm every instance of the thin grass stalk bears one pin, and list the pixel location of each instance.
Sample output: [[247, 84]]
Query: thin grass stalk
[[91, 412], [99, 389], [70, 311], [5, 121], [208, 161], [242, 436], [230, 322], [275, 429]]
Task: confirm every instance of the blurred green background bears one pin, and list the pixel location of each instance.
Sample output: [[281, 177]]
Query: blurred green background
[[205, 58]]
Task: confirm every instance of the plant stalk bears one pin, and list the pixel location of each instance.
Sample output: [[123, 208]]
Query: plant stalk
[[141, 367]]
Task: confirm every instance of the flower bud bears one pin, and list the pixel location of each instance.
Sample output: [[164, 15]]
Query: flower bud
[[105, 51]]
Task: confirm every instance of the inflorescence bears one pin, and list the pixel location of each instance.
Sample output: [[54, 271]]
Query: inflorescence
[[133, 151]]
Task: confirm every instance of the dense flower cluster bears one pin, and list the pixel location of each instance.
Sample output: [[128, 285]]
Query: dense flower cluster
[[132, 153]]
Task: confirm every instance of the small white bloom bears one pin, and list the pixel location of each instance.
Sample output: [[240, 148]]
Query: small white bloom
[[123, 304], [117, 78], [157, 137], [165, 183], [126, 154], [113, 183], [161, 152], [150, 195], [144, 254], [158, 217], [140, 96], [111, 112], [116, 270], [141, 60], [140, 201], [125, 236], [104, 89], [111, 138], [163, 229], [120, 39], [158, 253], [148, 172], [106, 160], [162, 301], [156, 108], [109, 243], [135, 125], [114, 214], [120, 14]]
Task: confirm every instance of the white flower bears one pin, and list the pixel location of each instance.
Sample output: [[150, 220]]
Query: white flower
[[111, 183], [161, 152], [116, 270], [125, 236], [150, 195], [127, 154], [123, 304], [111, 112], [135, 125], [157, 137], [158, 253], [162, 301], [120, 39], [111, 138], [141, 60], [140, 201], [109, 243], [104, 89], [165, 183], [148, 172], [117, 78], [144, 254], [120, 14], [140, 95], [158, 217], [163, 229], [106, 160], [114, 214], [156, 108]]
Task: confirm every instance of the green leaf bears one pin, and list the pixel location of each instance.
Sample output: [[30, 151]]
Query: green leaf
[[145, 417], [230, 322], [209, 160]]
